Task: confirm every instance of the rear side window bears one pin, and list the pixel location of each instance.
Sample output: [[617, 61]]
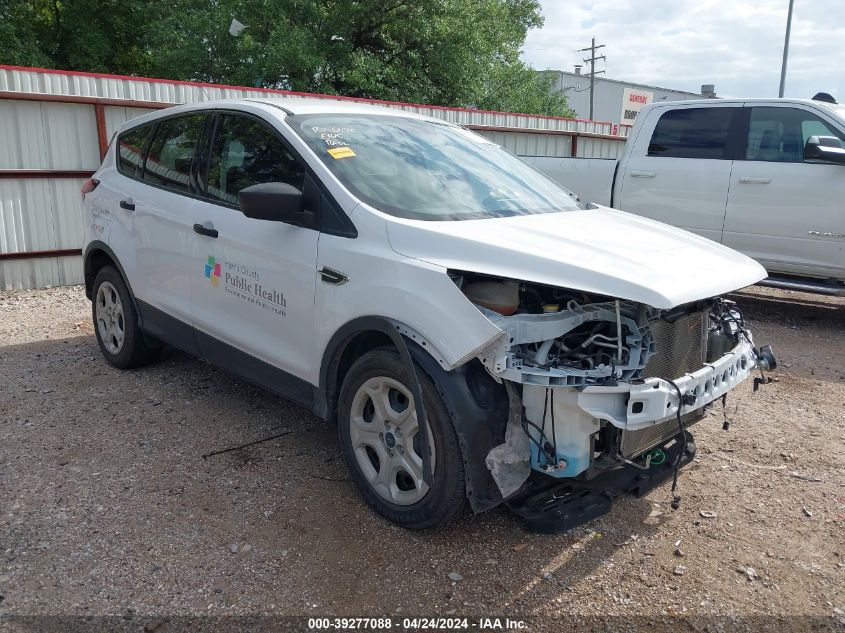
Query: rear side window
[[171, 153], [130, 150], [247, 152], [692, 133]]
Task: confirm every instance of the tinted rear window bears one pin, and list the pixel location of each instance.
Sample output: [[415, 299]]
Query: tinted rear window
[[171, 153], [692, 133], [130, 150]]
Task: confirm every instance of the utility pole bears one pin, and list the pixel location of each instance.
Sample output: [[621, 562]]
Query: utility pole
[[785, 49], [592, 59]]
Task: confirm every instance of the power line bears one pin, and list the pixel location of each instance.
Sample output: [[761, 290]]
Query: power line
[[592, 59], [552, 50]]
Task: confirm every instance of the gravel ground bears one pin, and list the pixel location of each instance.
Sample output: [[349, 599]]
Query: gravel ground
[[108, 506]]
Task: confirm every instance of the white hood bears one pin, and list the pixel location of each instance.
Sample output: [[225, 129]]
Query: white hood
[[601, 251]]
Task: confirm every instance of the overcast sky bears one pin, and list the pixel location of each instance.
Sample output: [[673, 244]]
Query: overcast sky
[[682, 44]]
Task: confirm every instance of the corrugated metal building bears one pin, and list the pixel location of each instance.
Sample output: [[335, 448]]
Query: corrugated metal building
[[609, 93], [55, 126]]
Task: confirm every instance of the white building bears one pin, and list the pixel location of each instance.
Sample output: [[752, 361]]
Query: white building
[[615, 99]]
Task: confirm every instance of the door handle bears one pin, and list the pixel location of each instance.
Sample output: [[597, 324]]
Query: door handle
[[204, 230], [643, 174], [748, 180], [127, 204]]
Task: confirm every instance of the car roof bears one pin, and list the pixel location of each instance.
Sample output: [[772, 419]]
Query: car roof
[[280, 107], [752, 101], [320, 105]]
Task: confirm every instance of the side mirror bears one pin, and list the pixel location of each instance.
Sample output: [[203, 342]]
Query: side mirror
[[826, 149], [276, 202]]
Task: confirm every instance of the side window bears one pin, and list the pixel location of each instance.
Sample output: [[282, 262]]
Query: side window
[[171, 153], [692, 133], [247, 152], [130, 150], [779, 134]]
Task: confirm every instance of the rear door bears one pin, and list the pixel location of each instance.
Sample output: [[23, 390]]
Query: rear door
[[155, 206], [252, 281], [680, 167], [782, 211]]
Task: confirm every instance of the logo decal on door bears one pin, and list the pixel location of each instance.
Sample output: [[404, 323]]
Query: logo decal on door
[[212, 270], [244, 283]]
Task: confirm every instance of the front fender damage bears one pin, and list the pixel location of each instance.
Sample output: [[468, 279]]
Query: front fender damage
[[478, 406]]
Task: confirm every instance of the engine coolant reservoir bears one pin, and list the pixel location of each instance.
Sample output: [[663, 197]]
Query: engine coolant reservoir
[[572, 429], [498, 296]]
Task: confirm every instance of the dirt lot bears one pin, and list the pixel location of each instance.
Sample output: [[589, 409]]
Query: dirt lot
[[108, 507]]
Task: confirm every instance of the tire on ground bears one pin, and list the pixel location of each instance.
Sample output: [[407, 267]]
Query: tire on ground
[[135, 350], [447, 495]]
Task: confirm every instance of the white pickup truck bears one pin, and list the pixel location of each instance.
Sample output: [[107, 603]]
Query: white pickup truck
[[763, 176]]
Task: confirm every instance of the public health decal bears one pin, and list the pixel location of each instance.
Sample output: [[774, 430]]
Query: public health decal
[[244, 283]]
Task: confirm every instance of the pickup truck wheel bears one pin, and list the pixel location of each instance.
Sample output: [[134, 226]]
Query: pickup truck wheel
[[379, 436], [116, 322]]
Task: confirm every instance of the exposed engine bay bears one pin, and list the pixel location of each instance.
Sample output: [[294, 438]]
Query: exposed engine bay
[[604, 384], [558, 337]]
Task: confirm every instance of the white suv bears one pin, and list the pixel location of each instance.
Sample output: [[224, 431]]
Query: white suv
[[476, 333]]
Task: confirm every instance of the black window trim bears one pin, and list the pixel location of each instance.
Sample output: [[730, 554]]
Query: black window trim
[[204, 150], [341, 226], [737, 134]]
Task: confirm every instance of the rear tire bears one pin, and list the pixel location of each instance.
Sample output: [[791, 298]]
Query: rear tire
[[116, 322], [379, 438]]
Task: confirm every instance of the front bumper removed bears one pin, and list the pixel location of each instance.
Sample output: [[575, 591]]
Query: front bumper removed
[[551, 506], [573, 502]]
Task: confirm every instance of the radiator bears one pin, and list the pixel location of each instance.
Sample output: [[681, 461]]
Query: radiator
[[634, 443], [681, 346]]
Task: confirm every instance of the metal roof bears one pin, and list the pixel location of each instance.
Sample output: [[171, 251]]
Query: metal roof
[[140, 90]]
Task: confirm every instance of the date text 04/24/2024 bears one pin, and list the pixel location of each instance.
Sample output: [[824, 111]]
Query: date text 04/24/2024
[[416, 623]]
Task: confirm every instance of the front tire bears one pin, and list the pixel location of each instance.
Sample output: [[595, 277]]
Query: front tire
[[116, 322], [379, 437]]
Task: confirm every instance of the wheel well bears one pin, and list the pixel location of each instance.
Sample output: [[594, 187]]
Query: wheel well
[[95, 261], [355, 347]]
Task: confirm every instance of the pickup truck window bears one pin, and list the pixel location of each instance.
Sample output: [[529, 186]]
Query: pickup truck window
[[426, 170], [171, 153], [779, 134], [246, 152], [692, 133]]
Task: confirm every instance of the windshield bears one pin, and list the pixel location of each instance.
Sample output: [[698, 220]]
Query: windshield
[[426, 170]]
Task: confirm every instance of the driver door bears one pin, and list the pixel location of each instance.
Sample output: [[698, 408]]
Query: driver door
[[254, 281]]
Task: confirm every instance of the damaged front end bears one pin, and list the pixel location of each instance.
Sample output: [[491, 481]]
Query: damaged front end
[[601, 391]]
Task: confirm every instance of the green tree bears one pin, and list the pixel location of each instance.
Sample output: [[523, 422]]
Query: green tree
[[21, 27], [443, 52], [518, 88], [88, 35]]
